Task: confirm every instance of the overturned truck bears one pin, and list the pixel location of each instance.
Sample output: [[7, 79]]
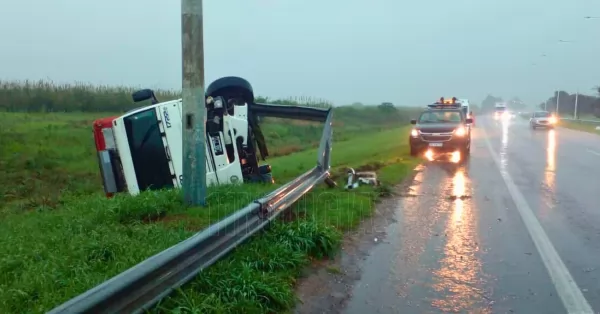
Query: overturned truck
[[143, 148]]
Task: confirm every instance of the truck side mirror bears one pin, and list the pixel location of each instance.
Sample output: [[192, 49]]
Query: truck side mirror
[[413, 121]]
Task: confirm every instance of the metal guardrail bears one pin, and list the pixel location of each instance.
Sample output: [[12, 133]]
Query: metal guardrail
[[143, 285]]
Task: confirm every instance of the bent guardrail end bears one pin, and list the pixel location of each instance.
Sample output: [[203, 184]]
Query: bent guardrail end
[[324, 152]]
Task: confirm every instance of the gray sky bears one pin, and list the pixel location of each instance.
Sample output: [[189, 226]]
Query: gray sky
[[407, 52]]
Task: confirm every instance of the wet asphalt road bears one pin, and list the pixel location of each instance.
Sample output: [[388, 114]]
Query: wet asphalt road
[[473, 240]]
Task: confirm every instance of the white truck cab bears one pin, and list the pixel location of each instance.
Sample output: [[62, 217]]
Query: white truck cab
[[150, 146]]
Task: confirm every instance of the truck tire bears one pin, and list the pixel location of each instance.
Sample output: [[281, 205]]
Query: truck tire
[[465, 152], [413, 151], [231, 87]]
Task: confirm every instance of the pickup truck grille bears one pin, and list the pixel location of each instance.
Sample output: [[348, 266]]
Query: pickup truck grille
[[436, 137]]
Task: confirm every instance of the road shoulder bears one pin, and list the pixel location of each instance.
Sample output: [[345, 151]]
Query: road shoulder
[[327, 285]]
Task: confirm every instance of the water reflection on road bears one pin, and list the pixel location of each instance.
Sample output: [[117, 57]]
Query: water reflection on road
[[458, 280], [550, 175]]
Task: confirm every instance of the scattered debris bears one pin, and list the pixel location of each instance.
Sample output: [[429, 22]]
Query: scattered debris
[[355, 179]]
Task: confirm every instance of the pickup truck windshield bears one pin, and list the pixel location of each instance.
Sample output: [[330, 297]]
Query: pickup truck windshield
[[440, 117], [541, 115], [147, 151]]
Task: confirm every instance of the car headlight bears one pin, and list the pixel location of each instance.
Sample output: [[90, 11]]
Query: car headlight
[[552, 119], [414, 133], [460, 131]]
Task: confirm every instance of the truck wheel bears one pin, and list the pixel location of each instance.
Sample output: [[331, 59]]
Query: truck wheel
[[413, 151], [465, 152]]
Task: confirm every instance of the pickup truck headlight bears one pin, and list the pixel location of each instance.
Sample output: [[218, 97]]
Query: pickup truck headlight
[[414, 133], [460, 131], [552, 120]]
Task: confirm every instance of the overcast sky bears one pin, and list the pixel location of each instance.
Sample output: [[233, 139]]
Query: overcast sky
[[407, 52]]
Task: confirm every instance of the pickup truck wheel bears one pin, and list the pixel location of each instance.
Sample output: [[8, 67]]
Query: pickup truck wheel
[[413, 151], [466, 152]]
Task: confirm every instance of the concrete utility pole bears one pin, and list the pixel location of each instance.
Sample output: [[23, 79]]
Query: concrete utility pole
[[557, 101], [193, 106]]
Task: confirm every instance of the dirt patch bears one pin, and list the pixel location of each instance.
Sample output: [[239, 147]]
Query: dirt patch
[[150, 219], [327, 286]]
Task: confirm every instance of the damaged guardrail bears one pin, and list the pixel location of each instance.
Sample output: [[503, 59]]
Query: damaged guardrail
[[143, 285]]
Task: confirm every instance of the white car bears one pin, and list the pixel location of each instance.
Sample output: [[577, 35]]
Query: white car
[[542, 119]]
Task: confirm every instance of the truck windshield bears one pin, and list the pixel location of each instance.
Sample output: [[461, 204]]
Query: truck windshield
[[541, 114], [440, 117], [147, 151], [500, 109]]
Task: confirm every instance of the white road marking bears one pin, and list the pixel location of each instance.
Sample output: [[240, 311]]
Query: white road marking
[[593, 152], [570, 294]]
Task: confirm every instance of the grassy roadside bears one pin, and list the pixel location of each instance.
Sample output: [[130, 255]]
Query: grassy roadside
[[53, 254], [580, 126], [259, 277], [44, 156], [574, 125]]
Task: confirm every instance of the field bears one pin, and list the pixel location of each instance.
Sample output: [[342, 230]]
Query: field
[[581, 126], [60, 236]]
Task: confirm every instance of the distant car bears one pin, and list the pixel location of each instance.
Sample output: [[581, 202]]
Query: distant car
[[542, 119], [442, 128]]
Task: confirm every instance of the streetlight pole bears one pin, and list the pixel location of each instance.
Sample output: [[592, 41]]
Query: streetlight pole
[[193, 105], [576, 100], [557, 101]]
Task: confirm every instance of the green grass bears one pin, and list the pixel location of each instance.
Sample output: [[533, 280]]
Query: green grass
[[580, 126], [44, 156], [51, 255], [59, 236]]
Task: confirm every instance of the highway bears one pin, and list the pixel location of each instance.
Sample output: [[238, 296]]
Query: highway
[[514, 230]]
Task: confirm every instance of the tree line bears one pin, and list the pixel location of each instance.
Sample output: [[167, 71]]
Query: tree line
[[46, 96], [587, 105]]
